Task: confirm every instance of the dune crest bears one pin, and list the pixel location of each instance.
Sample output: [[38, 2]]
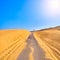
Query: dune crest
[[49, 40]]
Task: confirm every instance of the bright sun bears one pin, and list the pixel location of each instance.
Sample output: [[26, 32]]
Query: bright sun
[[54, 5], [51, 7]]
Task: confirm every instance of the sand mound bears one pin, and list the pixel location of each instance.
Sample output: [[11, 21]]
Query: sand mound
[[49, 40], [12, 42]]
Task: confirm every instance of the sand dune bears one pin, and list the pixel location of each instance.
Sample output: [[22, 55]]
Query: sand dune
[[24, 45], [49, 40], [12, 42]]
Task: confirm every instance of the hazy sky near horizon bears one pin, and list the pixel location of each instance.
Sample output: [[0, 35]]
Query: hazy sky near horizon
[[29, 14]]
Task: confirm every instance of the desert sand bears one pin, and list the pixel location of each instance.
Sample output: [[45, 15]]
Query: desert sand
[[24, 45], [49, 40], [12, 42]]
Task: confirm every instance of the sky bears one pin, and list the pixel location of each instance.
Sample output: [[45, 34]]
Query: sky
[[29, 14]]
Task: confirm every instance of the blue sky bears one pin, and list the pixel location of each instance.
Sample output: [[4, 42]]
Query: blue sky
[[29, 14]]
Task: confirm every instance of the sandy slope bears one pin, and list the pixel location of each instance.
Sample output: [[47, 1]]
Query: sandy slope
[[49, 40], [12, 42], [14, 45], [23, 45]]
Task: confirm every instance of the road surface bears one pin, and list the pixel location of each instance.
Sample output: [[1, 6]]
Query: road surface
[[32, 50]]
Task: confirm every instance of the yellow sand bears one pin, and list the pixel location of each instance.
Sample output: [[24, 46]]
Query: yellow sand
[[49, 40], [12, 42]]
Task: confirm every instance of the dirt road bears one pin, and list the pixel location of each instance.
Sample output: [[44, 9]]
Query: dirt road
[[32, 51]]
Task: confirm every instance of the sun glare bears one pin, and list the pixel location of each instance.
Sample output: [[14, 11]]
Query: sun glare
[[51, 7], [54, 5]]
